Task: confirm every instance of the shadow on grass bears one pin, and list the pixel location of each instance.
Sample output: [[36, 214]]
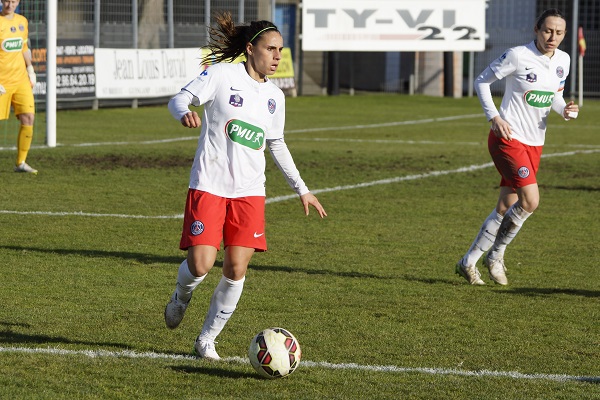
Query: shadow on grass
[[573, 188], [8, 336], [139, 257], [551, 291], [153, 259], [215, 371]]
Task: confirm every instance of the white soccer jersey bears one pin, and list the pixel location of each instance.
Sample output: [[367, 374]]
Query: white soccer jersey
[[240, 114], [534, 85]]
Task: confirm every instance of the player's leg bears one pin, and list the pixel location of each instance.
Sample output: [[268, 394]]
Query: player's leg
[[514, 218], [518, 164], [467, 266], [243, 234], [201, 236], [224, 299], [23, 104]]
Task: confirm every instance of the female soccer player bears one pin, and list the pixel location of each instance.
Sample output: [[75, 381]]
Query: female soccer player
[[535, 78], [243, 112], [17, 78]]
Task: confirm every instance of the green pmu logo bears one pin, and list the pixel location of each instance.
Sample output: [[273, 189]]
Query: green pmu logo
[[539, 98], [245, 134], [12, 44]]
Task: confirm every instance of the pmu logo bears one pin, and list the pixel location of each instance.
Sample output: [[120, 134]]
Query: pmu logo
[[245, 134], [539, 98], [12, 44]]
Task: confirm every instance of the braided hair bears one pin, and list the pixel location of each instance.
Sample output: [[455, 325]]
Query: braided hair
[[228, 41]]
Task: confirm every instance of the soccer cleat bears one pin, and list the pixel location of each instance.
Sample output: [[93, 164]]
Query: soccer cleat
[[470, 273], [497, 270], [24, 167], [174, 311], [205, 348]]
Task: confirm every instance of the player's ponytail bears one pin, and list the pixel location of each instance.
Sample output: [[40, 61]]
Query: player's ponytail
[[228, 41]]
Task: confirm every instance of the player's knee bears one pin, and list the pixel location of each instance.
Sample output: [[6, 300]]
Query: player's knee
[[530, 205]]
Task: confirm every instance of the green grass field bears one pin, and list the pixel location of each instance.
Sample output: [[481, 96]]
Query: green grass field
[[89, 251]]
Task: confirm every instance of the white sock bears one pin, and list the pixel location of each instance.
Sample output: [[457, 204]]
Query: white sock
[[511, 224], [186, 282], [484, 239], [222, 305]]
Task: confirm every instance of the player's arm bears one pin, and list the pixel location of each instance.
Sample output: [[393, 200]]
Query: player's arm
[[560, 106], [179, 109], [284, 161], [29, 65], [500, 127]]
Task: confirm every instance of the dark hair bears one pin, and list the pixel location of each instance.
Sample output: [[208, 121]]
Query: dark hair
[[228, 41], [551, 12]]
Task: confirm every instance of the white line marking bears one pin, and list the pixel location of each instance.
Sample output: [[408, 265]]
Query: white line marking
[[84, 214], [324, 129], [397, 123], [308, 364], [293, 196]]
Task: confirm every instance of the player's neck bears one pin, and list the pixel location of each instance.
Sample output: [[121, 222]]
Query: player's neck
[[8, 16]]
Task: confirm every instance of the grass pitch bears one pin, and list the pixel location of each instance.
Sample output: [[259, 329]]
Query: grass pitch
[[90, 253]]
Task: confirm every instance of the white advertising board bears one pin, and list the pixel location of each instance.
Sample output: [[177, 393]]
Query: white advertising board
[[393, 25], [140, 73]]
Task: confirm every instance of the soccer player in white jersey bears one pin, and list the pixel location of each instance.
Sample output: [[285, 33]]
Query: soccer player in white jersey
[[535, 76], [243, 113]]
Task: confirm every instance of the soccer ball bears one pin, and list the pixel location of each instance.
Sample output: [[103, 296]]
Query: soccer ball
[[274, 353]]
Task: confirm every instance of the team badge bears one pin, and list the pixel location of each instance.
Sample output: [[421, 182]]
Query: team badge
[[523, 172], [531, 77], [236, 100], [560, 72], [272, 106], [197, 228], [13, 29], [21, 28]]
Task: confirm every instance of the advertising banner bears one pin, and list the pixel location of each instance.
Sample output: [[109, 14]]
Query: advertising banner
[[393, 25], [143, 73], [75, 77]]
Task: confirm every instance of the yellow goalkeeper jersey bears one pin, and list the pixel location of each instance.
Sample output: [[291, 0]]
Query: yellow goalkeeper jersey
[[13, 42]]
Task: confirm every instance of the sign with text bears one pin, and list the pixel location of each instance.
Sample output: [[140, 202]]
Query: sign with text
[[142, 73], [75, 77], [393, 25]]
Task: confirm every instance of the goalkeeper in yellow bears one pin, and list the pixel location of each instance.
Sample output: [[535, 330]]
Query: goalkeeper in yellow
[[17, 78]]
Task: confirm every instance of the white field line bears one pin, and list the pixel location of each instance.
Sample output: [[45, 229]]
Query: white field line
[[320, 129], [293, 196], [306, 364]]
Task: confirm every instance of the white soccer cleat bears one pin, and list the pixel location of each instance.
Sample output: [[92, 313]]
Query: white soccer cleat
[[204, 348], [470, 273], [24, 167], [174, 311], [497, 270]]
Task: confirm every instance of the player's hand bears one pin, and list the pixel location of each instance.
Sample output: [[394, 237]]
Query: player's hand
[[191, 120], [571, 110], [2, 90], [501, 128], [32, 77], [309, 199]]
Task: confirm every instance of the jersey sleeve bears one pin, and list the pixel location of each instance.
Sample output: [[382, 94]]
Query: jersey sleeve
[[506, 64], [205, 87]]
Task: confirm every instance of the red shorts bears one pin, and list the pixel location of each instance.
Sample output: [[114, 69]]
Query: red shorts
[[518, 163], [208, 219]]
